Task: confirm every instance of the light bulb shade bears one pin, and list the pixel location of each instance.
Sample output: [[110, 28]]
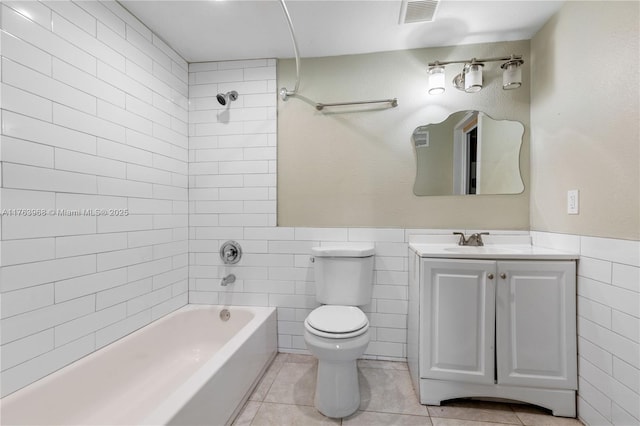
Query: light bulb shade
[[436, 80], [473, 78], [512, 75]]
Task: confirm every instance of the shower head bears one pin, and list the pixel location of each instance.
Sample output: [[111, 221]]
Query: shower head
[[224, 98]]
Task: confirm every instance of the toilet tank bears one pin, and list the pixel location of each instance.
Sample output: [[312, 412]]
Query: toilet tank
[[343, 275]]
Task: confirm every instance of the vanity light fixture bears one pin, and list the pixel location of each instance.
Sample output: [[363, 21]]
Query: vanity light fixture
[[436, 79], [473, 77], [512, 74], [470, 79]]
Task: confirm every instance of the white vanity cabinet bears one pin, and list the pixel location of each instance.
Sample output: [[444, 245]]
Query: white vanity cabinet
[[502, 328]]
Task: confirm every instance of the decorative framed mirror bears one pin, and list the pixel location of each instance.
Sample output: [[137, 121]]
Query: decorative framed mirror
[[468, 153]]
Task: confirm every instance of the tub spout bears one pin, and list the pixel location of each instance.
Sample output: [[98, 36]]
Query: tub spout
[[229, 279]]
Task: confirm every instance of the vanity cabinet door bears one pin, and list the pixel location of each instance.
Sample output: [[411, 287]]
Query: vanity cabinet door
[[457, 320], [536, 323]]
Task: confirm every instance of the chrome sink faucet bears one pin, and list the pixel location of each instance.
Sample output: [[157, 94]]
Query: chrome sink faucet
[[473, 239]]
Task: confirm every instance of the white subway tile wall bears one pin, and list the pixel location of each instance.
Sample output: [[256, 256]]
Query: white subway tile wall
[[94, 116], [608, 326]]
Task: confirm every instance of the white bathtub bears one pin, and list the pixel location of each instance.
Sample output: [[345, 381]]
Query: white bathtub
[[188, 368]]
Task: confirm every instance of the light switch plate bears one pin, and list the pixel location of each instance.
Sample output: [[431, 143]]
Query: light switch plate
[[573, 201]]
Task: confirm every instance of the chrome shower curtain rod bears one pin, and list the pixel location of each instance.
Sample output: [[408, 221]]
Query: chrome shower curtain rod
[[284, 92]]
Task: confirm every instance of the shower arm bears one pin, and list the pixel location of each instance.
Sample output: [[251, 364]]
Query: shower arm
[[284, 93]]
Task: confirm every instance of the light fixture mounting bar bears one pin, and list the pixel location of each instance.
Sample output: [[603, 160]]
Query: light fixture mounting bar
[[478, 61]]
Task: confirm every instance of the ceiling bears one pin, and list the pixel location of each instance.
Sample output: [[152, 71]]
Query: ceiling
[[208, 30]]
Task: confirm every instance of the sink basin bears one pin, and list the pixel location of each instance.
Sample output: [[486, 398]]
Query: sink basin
[[480, 250]]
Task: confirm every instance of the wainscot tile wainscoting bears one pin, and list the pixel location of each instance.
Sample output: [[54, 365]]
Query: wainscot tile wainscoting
[[608, 326]]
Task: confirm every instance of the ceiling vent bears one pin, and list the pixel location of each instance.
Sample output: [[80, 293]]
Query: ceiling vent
[[418, 11]]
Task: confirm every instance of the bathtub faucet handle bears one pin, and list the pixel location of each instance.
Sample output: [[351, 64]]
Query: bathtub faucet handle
[[230, 252]]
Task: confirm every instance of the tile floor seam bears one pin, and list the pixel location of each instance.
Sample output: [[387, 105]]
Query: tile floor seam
[[395, 412], [513, 410]]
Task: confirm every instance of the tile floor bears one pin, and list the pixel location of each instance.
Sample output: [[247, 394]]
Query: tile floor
[[284, 397]]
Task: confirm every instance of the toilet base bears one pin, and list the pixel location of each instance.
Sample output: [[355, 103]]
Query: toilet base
[[337, 388]]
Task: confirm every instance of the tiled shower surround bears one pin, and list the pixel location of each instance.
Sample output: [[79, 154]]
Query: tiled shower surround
[[97, 112], [94, 117]]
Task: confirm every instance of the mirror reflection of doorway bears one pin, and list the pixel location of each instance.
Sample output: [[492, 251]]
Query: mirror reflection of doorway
[[466, 155], [471, 138]]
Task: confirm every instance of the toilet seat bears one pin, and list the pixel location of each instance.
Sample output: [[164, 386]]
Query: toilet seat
[[337, 322]]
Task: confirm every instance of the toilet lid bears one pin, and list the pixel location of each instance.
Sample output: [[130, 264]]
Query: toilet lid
[[337, 319]]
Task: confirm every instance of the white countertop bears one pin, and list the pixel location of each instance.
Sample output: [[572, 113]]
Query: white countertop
[[513, 247]]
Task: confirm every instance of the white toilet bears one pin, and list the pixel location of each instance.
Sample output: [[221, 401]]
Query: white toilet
[[337, 332]]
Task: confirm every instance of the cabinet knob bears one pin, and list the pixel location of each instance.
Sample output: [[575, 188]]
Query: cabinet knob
[[490, 276], [503, 276]]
